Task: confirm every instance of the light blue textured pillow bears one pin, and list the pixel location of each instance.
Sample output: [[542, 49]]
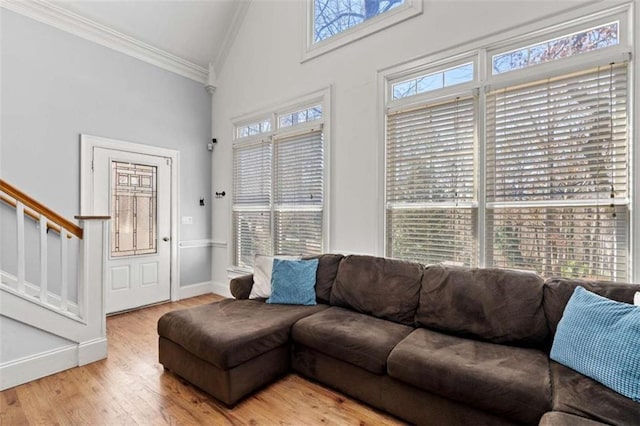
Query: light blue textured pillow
[[293, 282], [600, 338]]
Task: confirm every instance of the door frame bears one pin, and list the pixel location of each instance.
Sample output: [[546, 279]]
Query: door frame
[[87, 145]]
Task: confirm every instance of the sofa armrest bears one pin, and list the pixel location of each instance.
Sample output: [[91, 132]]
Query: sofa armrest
[[241, 286]]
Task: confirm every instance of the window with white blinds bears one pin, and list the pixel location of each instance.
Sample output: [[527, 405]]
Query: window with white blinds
[[299, 198], [431, 208], [557, 175], [532, 168], [278, 196], [252, 201]]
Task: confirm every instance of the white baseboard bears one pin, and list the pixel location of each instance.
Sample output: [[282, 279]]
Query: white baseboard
[[193, 290], [92, 351], [23, 370], [221, 288]]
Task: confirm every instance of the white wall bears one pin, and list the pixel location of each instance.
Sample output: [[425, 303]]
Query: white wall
[[56, 86], [264, 68]]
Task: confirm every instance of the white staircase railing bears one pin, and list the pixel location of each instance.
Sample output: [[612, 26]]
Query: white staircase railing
[[74, 307]]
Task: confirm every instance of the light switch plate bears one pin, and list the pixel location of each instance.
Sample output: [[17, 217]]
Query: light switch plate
[[187, 220]]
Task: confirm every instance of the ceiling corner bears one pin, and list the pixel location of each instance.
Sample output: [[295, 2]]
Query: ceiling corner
[[230, 36]]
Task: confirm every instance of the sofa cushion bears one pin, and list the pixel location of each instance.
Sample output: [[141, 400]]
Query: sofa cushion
[[293, 282], [577, 394], [230, 332], [358, 339], [558, 291], [262, 270], [510, 381], [384, 288], [556, 418], [600, 338], [325, 275], [496, 305]]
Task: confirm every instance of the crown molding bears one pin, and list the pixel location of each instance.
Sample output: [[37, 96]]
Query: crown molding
[[50, 14], [212, 80]]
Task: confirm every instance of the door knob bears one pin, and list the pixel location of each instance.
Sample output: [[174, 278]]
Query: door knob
[[166, 239]]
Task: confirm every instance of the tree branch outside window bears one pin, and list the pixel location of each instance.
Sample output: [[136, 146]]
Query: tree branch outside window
[[332, 17]]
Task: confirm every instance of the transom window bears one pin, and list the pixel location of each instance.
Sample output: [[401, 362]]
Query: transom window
[[334, 23], [253, 129], [433, 81], [557, 48], [301, 116], [331, 17], [530, 173]]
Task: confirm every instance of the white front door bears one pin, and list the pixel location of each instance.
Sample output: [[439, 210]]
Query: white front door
[[136, 191]]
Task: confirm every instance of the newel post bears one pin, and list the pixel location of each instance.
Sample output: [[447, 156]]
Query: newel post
[[91, 291]]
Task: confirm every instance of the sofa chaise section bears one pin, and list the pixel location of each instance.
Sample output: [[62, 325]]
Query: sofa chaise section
[[229, 348], [234, 347]]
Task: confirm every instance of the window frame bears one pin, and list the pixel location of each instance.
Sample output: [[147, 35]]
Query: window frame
[[321, 97], [311, 49], [484, 50]]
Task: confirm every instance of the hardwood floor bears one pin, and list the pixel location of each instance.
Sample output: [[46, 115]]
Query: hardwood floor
[[130, 387]]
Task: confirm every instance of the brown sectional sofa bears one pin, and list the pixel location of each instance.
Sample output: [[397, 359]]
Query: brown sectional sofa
[[430, 345]]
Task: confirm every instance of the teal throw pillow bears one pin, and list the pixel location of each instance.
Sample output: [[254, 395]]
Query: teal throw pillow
[[293, 282], [600, 338]]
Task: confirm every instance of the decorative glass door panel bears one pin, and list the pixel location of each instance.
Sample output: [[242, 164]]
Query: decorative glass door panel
[[133, 209], [135, 189]]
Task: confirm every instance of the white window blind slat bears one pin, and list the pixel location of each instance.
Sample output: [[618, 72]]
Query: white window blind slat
[[553, 141], [575, 241], [299, 194], [432, 235], [252, 232], [298, 232], [430, 160], [252, 174]]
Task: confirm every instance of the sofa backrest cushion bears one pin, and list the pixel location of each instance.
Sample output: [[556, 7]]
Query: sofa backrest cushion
[[325, 275], [495, 305], [384, 288], [558, 291]]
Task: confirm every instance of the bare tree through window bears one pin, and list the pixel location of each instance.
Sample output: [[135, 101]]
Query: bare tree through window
[[332, 17], [557, 48]]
